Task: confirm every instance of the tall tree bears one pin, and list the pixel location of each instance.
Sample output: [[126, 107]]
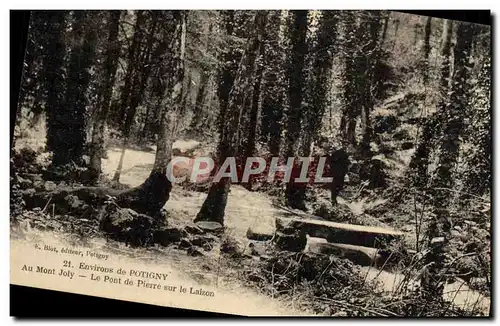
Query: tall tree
[[214, 205], [420, 161], [454, 110], [477, 179], [82, 58], [352, 79], [32, 92], [427, 48], [171, 95], [273, 84], [200, 100], [372, 90], [204, 57], [230, 61], [53, 66], [106, 89], [319, 80], [295, 193], [254, 114], [138, 72]]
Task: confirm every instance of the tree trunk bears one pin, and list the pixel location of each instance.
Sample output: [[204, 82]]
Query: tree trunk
[[253, 126], [273, 85], [295, 193], [199, 102], [427, 48], [138, 80], [54, 82], [173, 99], [73, 115], [110, 68], [440, 226], [230, 64], [214, 205], [320, 79]]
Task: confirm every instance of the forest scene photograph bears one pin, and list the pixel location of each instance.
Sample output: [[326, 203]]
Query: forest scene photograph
[[285, 162]]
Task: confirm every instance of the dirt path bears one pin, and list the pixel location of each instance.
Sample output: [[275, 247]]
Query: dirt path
[[244, 208]]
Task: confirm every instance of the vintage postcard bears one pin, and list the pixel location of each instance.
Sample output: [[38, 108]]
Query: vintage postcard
[[256, 162]]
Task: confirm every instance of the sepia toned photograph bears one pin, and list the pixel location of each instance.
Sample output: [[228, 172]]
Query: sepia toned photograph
[[331, 163]]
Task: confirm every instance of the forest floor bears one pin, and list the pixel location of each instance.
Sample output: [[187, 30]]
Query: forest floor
[[234, 275], [249, 209]]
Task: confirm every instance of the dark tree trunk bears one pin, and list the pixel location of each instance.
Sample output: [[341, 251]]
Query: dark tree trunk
[[230, 64], [353, 84], [295, 193], [54, 82], [373, 27], [427, 48], [253, 126], [82, 57], [214, 206], [273, 86]]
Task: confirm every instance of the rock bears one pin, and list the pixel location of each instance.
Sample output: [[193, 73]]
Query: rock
[[360, 255], [367, 236], [167, 236], [124, 224], [210, 226], [259, 233], [437, 241], [49, 186]]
